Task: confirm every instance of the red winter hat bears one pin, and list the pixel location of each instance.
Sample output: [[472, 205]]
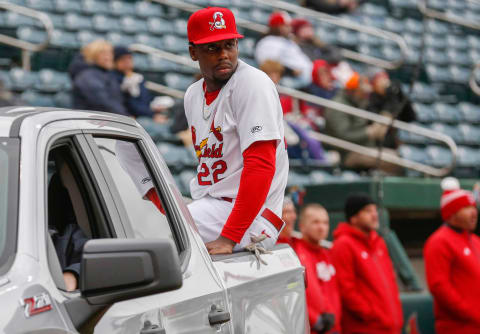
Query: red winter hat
[[211, 24], [297, 24], [279, 18], [453, 198]]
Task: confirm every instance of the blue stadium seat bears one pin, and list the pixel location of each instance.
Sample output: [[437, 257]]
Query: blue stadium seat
[[347, 37], [141, 62], [412, 153], [104, 23], [394, 25], [155, 42], [36, 99], [21, 79], [470, 112], [468, 157], [433, 56], [438, 156], [177, 81], [371, 50], [64, 39], [369, 40], [148, 9], [74, 21], [413, 26], [5, 80], [438, 73], [86, 36], [246, 46], [117, 38], [459, 74], [51, 81], [132, 25], [413, 40], [41, 5], [159, 26], [424, 93], [448, 130], [297, 179], [31, 35], [67, 6], [174, 44], [14, 20], [63, 100], [459, 58], [92, 7], [120, 8], [436, 27], [473, 42], [180, 27], [161, 65], [413, 138], [320, 176], [370, 9], [435, 41], [259, 16], [457, 42], [424, 112], [470, 134], [447, 113]]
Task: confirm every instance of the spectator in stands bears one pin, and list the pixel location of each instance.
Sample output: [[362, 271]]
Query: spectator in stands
[[296, 115], [452, 263], [323, 297], [279, 46], [332, 6], [323, 81], [94, 86], [388, 99], [368, 287], [313, 47], [289, 216]]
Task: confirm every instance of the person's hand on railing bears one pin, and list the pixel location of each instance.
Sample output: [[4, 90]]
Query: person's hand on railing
[[376, 131]]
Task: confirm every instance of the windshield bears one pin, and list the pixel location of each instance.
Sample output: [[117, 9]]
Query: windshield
[[9, 152]]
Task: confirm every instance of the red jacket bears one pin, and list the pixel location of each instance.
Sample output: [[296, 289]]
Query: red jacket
[[322, 290], [368, 287], [452, 264]]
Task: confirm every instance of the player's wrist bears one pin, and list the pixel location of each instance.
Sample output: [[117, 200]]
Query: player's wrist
[[228, 239]]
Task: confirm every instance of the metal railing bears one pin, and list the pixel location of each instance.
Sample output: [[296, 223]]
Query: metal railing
[[473, 79], [340, 143], [344, 23], [354, 55], [446, 16], [27, 47]]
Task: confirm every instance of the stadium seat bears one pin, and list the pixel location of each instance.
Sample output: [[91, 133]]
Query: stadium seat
[[117, 38], [120, 8], [51, 81], [64, 39], [185, 177], [474, 42], [413, 26], [432, 56], [31, 35], [63, 100], [36, 99], [447, 113], [92, 7], [436, 27], [132, 25], [220, 3], [246, 46], [412, 153], [242, 3], [155, 42], [67, 6], [348, 175], [438, 73], [259, 16], [86, 36], [14, 20], [180, 27], [424, 93], [413, 138], [438, 156], [470, 112], [104, 23], [413, 40], [369, 40], [448, 130], [5, 80], [468, 157], [159, 26], [370, 9], [459, 58], [424, 112], [394, 25], [174, 44], [176, 155], [21, 79], [347, 37], [161, 65], [177, 81], [457, 42], [297, 179], [41, 5], [320, 176], [434, 41], [459, 74], [470, 134], [148, 9], [141, 62]]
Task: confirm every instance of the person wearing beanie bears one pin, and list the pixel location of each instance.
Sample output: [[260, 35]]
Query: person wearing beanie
[[323, 81], [314, 252], [365, 274], [452, 263], [279, 46]]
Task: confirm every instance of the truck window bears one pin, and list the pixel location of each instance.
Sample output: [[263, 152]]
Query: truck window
[[9, 152], [136, 188]]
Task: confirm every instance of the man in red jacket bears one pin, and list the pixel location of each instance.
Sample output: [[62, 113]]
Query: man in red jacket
[[452, 263], [323, 298], [368, 288], [289, 216]]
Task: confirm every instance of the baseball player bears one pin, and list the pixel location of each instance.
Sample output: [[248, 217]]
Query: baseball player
[[235, 117]]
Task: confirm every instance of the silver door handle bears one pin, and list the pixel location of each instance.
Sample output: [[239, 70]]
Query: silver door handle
[[217, 316]]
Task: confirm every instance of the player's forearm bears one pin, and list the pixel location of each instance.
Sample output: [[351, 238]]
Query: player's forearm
[[257, 176]]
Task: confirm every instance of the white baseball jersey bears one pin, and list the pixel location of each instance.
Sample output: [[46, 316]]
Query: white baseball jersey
[[246, 110]]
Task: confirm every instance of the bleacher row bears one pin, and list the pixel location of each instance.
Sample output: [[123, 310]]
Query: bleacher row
[[442, 99]]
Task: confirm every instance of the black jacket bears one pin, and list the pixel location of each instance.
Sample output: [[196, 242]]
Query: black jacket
[[136, 106], [95, 88]]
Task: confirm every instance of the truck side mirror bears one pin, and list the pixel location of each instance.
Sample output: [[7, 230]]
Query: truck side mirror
[[113, 270]]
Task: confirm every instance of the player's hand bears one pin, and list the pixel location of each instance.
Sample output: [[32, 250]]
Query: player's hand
[[70, 281], [220, 246]]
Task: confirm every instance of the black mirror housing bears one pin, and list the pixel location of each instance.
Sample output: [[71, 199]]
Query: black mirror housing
[[113, 270]]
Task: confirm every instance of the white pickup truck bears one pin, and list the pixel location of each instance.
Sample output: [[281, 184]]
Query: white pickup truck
[[141, 271]]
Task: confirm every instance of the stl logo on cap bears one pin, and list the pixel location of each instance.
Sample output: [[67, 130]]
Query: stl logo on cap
[[218, 21]]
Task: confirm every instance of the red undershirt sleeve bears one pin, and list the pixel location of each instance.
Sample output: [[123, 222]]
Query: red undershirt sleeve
[[255, 181], [153, 197]]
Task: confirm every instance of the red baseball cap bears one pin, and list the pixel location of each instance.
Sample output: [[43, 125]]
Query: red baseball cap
[[212, 24], [279, 18]]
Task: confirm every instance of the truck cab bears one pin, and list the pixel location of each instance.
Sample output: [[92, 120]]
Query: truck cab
[[141, 270]]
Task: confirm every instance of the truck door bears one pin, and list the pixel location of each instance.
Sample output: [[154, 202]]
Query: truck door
[[150, 206]]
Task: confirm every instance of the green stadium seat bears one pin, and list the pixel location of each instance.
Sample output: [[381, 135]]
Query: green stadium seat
[[92, 7], [67, 6], [470, 133], [148, 9], [438, 156], [159, 26], [470, 112], [63, 100], [132, 25], [120, 8], [37, 99], [155, 42], [42, 5], [21, 79], [104, 23], [117, 38], [86, 36], [51, 81], [177, 81], [74, 21], [174, 44], [447, 113]]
